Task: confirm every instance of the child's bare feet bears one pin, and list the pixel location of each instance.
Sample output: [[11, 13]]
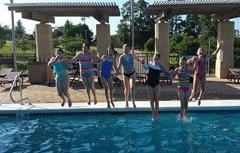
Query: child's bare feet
[[192, 99], [69, 102], [63, 102], [95, 101], [112, 104], [89, 102], [127, 105], [134, 105], [108, 105], [199, 102]]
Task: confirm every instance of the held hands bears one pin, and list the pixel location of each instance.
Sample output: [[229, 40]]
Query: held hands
[[142, 60]]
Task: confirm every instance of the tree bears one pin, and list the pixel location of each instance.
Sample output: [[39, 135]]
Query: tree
[[2, 37], [71, 30], [184, 44], [25, 43], [144, 24], [192, 25], [72, 44], [149, 45], [116, 42], [236, 52], [19, 29], [124, 26]]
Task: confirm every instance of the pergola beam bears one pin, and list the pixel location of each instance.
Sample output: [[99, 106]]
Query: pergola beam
[[229, 9], [47, 11], [38, 17]]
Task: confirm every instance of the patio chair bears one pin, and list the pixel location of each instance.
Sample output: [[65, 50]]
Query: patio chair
[[234, 74], [13, 78], [5, 71]]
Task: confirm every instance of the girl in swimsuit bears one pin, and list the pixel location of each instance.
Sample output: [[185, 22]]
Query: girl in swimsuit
[[126, 60], [183, 73], [154, 69], [86, 60], [60, 69], [107, 63], [199, 78]]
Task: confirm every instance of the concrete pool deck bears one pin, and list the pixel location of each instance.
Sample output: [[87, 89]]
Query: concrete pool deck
[[142, 106]]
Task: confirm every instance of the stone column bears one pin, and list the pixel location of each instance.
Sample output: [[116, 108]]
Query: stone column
[[103, 38], [44, 49], [162, 42], [225, 55]]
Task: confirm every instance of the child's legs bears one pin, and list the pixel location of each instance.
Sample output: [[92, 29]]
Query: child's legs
[[182, 98], [195, 86], [65, 87], [60, 89], [105, 85], [132, 87], [91, 81], [202, 88], [186, 97], [151, 97], [126, 88], [156, 98], [110, 85], [87, 86]]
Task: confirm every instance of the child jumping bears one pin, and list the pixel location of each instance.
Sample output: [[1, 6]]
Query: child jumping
[[86, 60], [199, 79], [107, 64], [154, 69], [126, 61], [183, 73], [60, 69]]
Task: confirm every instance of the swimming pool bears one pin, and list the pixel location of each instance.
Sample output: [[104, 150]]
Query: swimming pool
[[121, 133]]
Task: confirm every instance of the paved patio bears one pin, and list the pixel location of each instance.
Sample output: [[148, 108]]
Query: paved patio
[[216, 90]]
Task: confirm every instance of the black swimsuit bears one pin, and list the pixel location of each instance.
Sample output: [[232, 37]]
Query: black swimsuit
[[128, 75], [153, 77]]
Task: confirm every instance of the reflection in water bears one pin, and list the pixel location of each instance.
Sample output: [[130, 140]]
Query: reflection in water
[[121, 133]]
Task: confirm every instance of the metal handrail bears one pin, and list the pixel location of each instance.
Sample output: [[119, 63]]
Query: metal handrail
[[17, 78]]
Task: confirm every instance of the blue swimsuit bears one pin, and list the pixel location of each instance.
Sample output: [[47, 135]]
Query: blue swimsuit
[[106, 68]]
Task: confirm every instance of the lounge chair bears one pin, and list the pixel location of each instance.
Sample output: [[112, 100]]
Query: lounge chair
[[4, 72], [234, 74], [13, 78]]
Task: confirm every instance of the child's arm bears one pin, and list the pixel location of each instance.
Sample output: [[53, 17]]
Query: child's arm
[[138, 59], [175, 73], [191, 60], [217, 50], [95, 58], [119, 63], [74, 59], [165, 72], [53, 60]]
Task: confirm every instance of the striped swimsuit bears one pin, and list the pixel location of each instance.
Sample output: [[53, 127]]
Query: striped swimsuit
[[86, 65], [183, 76]]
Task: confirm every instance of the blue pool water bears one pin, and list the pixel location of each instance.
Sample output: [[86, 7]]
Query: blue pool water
[[204, 133]]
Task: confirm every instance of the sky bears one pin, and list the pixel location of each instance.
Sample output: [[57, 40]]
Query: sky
[[59, 21]]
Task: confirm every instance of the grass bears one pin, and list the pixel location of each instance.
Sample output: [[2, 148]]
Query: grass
[[7, 48]]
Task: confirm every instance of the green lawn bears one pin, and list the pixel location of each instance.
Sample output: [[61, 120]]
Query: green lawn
[[8, 49]]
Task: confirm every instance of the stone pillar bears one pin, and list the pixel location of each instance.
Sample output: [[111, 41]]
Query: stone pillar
[[103, 38], [225, 55], [162, 43], [44, 47]]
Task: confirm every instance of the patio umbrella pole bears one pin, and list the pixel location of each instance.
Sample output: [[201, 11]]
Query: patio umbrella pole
[[13, 40]]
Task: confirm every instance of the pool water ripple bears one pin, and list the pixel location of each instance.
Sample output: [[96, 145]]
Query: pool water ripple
[[209, 133]]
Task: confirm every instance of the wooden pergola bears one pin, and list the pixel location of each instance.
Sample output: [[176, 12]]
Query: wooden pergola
[[46, 13], [221, 10], [225, 9]]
